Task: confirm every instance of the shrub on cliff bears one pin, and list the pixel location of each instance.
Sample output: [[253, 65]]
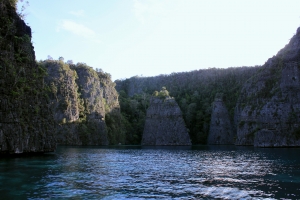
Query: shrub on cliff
[[194, 91], [13, 3], [163, 93]]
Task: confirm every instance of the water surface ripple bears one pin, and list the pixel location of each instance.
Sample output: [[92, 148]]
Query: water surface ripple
[[204, 172]]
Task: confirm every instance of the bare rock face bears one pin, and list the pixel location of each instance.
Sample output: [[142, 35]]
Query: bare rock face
[[80, 99], [268, 115], [268, 109], [63, 91], [220, 131], [26, 121], [94, 105], [291, 51], [164, 124]]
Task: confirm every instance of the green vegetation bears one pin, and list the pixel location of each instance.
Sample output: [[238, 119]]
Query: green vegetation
[[85, 99], [23, 92], [296, 133], [133, 111], [13, 3], [115, 126], [23, 6], [194, 92], [163, 93], [17, 63]]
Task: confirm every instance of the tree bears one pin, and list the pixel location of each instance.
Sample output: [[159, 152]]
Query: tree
[[163, 93], [13, 3], [70, 62], [99, 70], [22, 13], [61, 59], [25, 4]]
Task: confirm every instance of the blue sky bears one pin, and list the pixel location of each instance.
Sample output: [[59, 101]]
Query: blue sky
[[151, 37]]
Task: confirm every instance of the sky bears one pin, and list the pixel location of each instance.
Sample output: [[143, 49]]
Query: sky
[[151, 37]]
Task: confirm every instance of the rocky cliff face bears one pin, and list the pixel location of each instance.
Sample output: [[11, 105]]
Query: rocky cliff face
[[220, 131], [63, 91], [164, 124], [26, 122], [268, 109], [80, 99], [194, 92]]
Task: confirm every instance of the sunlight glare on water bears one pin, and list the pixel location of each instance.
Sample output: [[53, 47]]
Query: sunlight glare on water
[[205, 172]]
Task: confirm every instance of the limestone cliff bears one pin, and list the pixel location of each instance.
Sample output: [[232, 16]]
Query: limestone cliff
[[268, 109], [220, 131], [26, 122], [63, 91], [79, 97], [194, 92], [164, 124]]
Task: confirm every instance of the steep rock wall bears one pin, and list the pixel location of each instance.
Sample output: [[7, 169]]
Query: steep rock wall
[[63, 91], [79, 97], [92, 95], [194, 92], [220, 131], [113, 118], [268, 109], [164, 124], [26, 122]]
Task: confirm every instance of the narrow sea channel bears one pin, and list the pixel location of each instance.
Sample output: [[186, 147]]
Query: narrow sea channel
[[135, 172]]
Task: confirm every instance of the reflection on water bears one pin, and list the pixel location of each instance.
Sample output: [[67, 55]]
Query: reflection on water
[[202, 172]]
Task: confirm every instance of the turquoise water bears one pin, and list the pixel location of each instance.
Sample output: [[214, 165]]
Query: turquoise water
[[202, 172]]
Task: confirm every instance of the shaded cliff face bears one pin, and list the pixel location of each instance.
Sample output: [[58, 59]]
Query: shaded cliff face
[[79, 102], [164, 124], [268, 110], [26, 122], [113, 118], [194, 92], [220, 131], [291, 52]]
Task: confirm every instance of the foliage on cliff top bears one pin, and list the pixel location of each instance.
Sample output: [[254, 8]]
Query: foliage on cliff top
[[17, 62], [78, 87], [23, 99], [13, 3], [194, 91], [163, 93]]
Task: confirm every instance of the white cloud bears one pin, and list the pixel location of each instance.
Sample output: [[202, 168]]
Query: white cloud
[[78, 13], [77, 29]]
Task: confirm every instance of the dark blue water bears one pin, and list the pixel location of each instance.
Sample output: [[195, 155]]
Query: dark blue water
[[204, 172]]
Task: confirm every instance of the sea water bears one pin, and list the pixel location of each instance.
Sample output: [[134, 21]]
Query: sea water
[[135, 172]]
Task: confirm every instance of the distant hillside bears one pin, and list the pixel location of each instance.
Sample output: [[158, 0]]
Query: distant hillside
[[262, 102], [50, 102], [194, 91]]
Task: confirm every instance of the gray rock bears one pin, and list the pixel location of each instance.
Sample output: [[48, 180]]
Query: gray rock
[[220, 131], [164, 124], [291, 52], [64, 96], [268, 110], [26, 122], [80, 99], [269, 138]]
